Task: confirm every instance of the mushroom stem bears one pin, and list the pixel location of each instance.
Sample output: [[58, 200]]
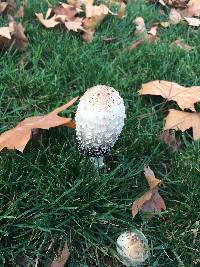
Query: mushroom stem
[[98, 162]]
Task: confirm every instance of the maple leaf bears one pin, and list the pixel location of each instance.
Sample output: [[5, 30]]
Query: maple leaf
[[184, 96], [182, 45], [180, 120], [62, 258], [150, 201], [18, 137]]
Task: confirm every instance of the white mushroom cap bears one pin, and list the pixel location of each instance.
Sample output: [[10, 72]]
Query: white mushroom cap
[[99, 120], [132, 248]]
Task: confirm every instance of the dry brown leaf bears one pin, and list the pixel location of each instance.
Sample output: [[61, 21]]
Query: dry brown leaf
[[135, 44], [62, 258], [5, 32], [3, 6], [174, 16], [75, 25], [13, 35], [182, 45], [18, 137], [19, 38], [173, 3], [169, 139], [193, 22], [48, 23], [180, 120], [150, 201], [66, 10], [184, 96], [193, 10], [142, 33], [88, 35], [122, 10]]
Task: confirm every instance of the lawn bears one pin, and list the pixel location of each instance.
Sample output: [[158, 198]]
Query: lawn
[[51, 192]]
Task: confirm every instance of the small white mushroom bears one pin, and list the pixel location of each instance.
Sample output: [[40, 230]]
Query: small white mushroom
[[99, 121], [132, 248]]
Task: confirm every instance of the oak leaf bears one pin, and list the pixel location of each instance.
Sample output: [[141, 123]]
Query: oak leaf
[[180, 120], [62, 258], [151, 201], [18, 137], [185, 97]]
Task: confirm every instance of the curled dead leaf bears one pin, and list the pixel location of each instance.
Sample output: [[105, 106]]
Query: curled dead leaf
[[150, 201], [18, 137], [13, 35], [185, 97]]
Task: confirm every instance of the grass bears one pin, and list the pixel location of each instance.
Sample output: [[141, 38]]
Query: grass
[[51, 192]]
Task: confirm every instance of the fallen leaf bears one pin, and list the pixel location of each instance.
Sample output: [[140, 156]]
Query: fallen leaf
[[18, 137], [13, 35], [122, 10], [62, 258], [192, 10], [48, 23], [88, 35], [182, 45], [3, 6], [142, 33], [185, 97], [5, 32], [193, 21], [169, 139], [180, 120], [151, 201], [19, 38], [135, 44], [174, 16], [75, 25], [173, 3]]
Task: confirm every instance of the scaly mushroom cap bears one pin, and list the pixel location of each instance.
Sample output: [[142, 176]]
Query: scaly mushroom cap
[[131, 248], [99, 120]]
